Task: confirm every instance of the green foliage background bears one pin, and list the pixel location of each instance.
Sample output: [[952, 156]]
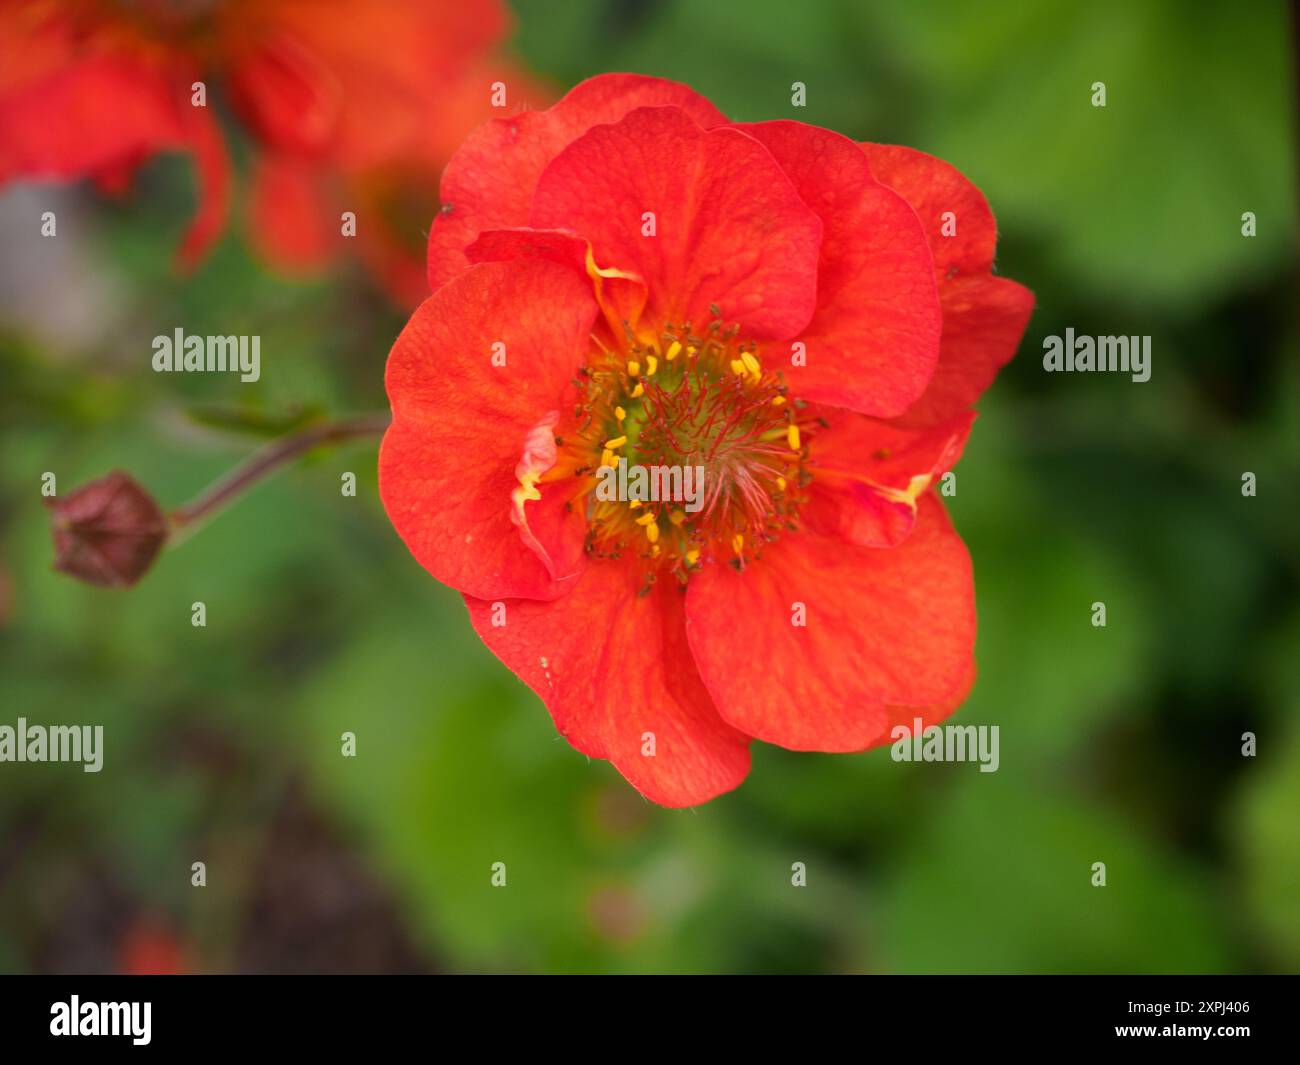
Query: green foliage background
[[1120, 744]]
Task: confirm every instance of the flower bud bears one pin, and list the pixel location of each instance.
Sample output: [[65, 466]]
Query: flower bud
[[107, 532]]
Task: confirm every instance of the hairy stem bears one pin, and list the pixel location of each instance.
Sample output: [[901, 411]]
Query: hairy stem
[[268, 460]]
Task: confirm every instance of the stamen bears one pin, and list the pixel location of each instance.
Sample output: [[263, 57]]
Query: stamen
[[716, 411]]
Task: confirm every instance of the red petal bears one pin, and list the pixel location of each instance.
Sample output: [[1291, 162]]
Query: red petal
[[287, 94], [212, 179], [310, 78], [621, 296], [885, 628], [934, 187], [489, 183], [462, 427], [873, 344], [292, 220], [729, 227], [984, 317], [55, 127], [931, 714], [870, 474], [612, 665]]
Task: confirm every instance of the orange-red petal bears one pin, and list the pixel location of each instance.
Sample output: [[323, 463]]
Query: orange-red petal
[[489, 182], [614, 670], [621, 295], [885, 627], [53, 125], [702, 216], [873, 344], [464, 432], [984, 316], [293, 222], [870, 475]]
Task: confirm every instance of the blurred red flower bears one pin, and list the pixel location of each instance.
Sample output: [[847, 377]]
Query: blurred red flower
[[630, 276], [340, 96], [151, 948]]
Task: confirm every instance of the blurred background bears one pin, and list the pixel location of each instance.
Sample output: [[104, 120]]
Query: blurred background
[[1120, 744]]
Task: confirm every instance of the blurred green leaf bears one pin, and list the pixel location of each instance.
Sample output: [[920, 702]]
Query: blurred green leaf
[[1141, 199], [1002, 883]]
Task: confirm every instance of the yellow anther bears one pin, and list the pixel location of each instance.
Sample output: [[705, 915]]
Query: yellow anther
[[780, 483], [618, 441], [633, 504], [692, 556], [677, 517], [651, 365], [607, 457], [620, 413], [792, 435], [690, 353], [737, 366], [652, 533], [751, 363], [674, 349], [638, 392], [645, 519], [654, 550], [778, 401], [633, 368], [738, 543]]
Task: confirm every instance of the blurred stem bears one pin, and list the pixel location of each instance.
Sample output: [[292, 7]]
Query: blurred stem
[[185, 518]]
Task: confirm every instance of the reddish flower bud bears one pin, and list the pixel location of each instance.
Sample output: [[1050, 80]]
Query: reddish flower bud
[[107, 532]]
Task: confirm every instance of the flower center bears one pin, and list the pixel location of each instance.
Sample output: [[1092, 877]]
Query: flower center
[[688, 451]]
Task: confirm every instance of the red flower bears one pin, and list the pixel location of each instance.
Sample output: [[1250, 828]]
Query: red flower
[[336, 93], [151, 948], [772, 302]]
